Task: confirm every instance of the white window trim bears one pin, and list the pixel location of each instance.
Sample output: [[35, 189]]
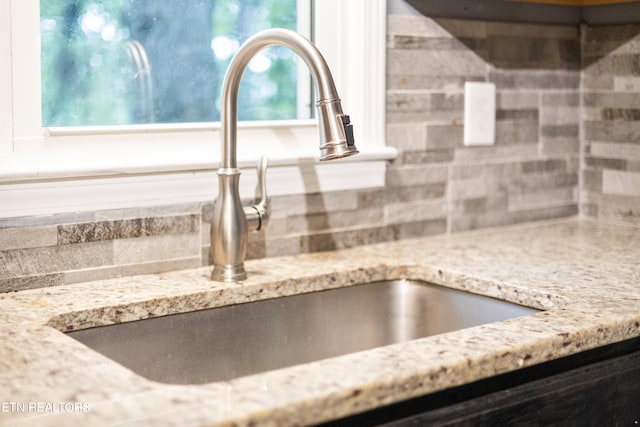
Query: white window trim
[[41, 169]]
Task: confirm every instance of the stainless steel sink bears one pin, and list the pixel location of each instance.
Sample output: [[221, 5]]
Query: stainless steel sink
[[228, 342]]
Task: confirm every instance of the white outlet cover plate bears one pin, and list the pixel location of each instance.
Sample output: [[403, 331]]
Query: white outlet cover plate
[[479, 113]]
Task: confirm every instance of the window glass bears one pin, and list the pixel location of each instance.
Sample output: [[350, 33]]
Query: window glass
[[118, 62]]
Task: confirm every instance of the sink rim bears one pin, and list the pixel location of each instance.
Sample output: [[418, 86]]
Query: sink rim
[[388, 285], [104, 313]]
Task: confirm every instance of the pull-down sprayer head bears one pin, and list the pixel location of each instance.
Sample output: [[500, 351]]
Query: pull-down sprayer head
[[336, 131]]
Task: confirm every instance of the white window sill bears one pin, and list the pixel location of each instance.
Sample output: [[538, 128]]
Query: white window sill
[[165, 149], [68, 175], [301, 175]]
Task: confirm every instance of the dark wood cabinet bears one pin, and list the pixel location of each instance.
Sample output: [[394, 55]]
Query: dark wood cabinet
[[597, 388]]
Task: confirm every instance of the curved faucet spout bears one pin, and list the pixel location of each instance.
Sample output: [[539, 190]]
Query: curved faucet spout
[[229, 229]]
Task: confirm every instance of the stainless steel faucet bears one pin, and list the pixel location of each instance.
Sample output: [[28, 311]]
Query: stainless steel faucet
[[232, 222]]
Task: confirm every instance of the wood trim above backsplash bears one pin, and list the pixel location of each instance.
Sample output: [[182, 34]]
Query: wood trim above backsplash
[[577, 2]]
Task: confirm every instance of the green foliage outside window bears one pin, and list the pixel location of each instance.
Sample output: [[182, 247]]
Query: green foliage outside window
[[116, 62]]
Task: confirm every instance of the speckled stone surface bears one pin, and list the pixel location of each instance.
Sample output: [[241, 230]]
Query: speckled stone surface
[[585, 275]]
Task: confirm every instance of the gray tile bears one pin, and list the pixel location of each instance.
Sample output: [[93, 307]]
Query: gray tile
[[54, 259], [621, 183], [516, 132], [127, 228], [472, 222], [491, 153], [27, 237], [545, 180], [543, 213], [407, 136], [554, 32], [429, 156], [474, 188], [560, 146], [416, 175], [84, 255], [627, 83], [414, 26], [15, 284], [632, 166], [44, 220], [615, 65], [571, 99], [561, 131], [521, 114], [592, 180], [495, 203], [606, 33], [345, 239], [611, 100], [517, 100], [414, 106], [137, 268], [301, 204], [276, 227], [534, 53], [613, 207], [427, 27], [404, 62], [602, 163], [420, 229], [434, 43], [415, 193], [172, 210], [371, 198], [466, 171], [449, 101], [432, 82], [618, 131], [102, 215], [205, 234], [473, 206], [547, 165], [463, 28], [407, 101], [627, 114], [156, 248], [610, 150], [543, 199], [416, 211], [291, 245], [544, 79], [560, 115], [335, 220], [593, 81], [27, 262], [589, 210]]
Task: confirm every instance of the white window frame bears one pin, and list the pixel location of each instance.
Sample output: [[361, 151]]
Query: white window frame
[[53, 170]]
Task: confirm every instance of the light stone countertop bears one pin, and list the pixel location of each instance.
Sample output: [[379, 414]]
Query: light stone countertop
[[585, 275]]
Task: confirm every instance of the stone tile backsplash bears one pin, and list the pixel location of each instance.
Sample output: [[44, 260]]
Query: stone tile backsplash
[[562, 92], [532, 170], [37, 254], [611, 116]]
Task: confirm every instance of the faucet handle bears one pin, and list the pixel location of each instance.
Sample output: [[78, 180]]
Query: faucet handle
[[258, 213], [261, 187]]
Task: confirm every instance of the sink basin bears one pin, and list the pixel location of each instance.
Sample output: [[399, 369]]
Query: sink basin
[[228, 342]]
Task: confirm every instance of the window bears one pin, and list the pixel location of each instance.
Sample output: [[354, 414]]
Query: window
[[115, 62], [48, 169]]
